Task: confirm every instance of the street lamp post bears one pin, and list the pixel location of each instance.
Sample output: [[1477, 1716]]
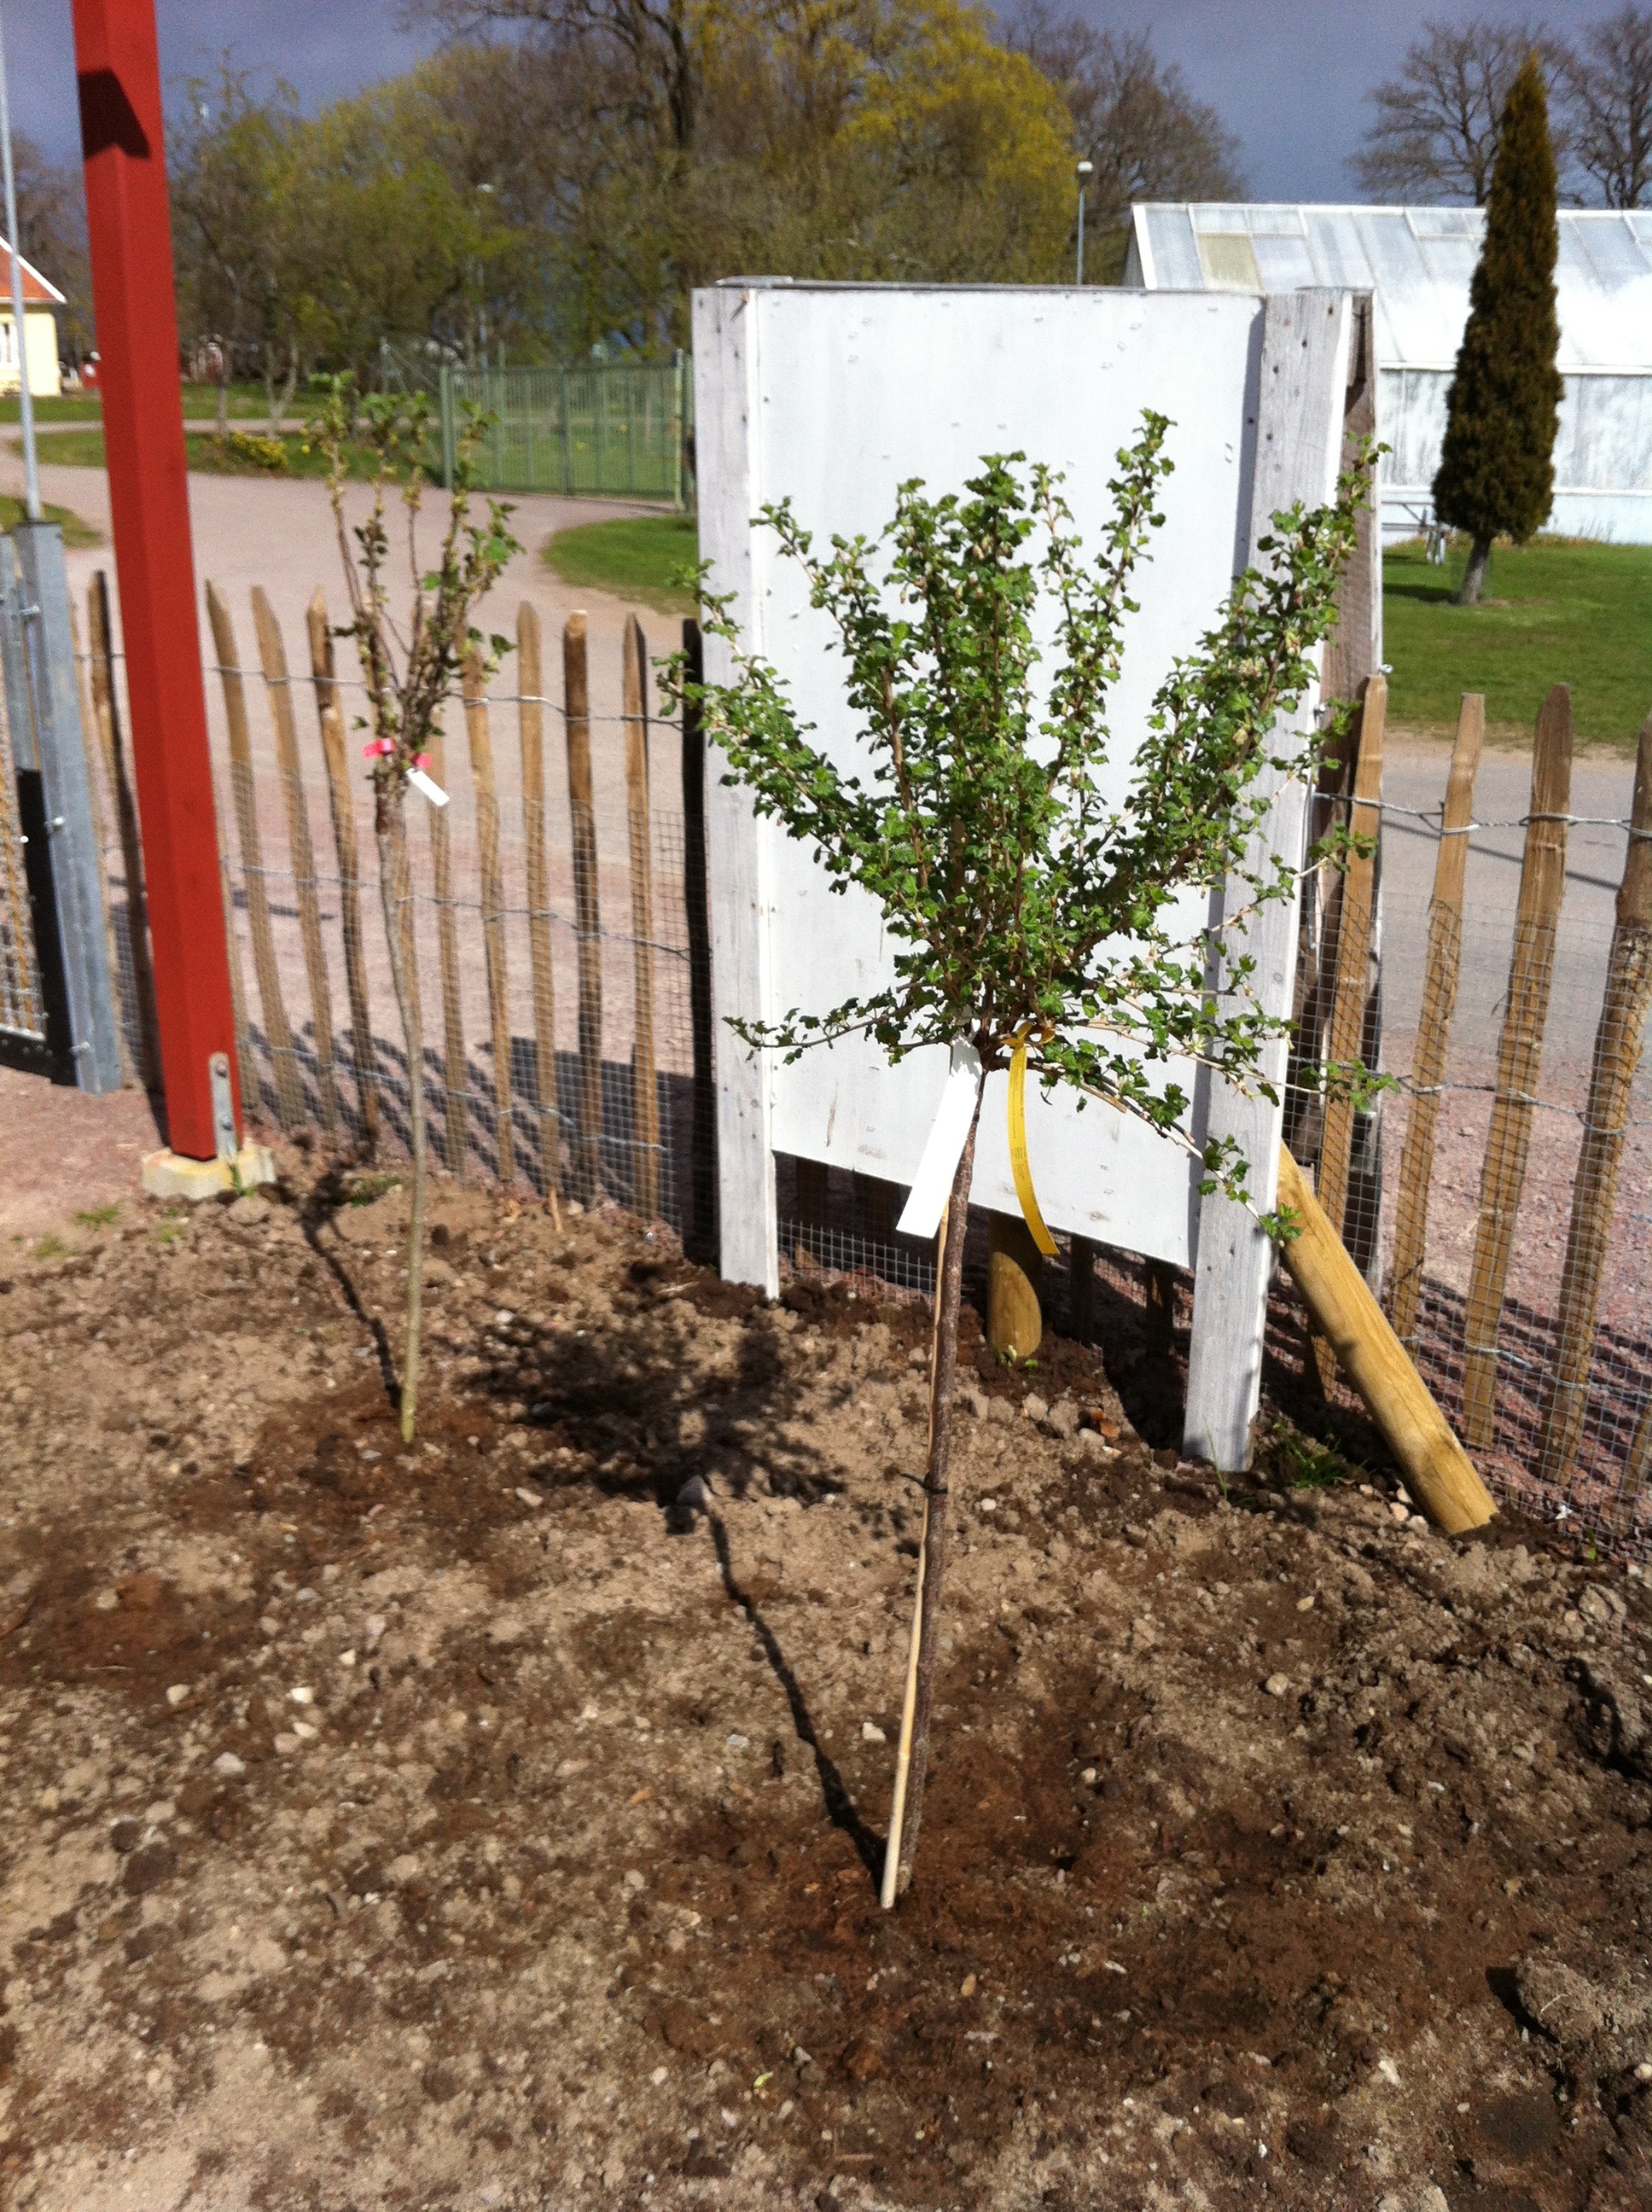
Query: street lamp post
[[1084, 169], [25, 398]]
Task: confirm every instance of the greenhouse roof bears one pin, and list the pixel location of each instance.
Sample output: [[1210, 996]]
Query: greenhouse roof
[[1417, 261]]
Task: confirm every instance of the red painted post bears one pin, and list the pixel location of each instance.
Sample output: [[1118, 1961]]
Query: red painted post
[[130, 236]]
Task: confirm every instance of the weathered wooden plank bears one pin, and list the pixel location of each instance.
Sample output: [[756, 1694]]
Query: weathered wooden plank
[[644, 1091], [530, 730], [1520, 1060], [272, 655], [106, 707], [335, 752], [289, 1097], [587, 915], [724, 433], [1351, 983], [1299, 436], [1617, 1042], [1441, 966], [492, 875]]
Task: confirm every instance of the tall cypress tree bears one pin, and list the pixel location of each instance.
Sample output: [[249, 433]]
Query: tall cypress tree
[[1497, 468]]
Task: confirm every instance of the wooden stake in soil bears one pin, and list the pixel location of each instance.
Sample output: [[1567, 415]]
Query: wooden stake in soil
[[91, 749], [1617, 1042], [290, 1097], [273, 653], [1081, 1289], [531, 726], [644, 1091], [1350, 984], [1161, 1326], [106, 709], [452, 1010], [335, 752], [493, 907], [1520, 1059], [1441, 967], [1437, 1471], [252, 1092], [911, 1758], [588, 923]]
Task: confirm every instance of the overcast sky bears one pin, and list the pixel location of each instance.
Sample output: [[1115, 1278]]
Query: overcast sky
[[1289, 75]]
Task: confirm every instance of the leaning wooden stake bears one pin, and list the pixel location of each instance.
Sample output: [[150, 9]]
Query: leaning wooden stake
[[1520, 1059], [531, 729], [493, 907], [1617, 1042], [1441, 967], [1437, 1471], [252, 1091], [106, 707], [335, 753], [289, 1097], [645, 1092], [1351, 983], [912, 1755], [272, 653], [452, 1009], [587, 918]]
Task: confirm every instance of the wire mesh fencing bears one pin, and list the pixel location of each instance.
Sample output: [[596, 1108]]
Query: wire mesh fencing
[[543, 913], [1489, 950]]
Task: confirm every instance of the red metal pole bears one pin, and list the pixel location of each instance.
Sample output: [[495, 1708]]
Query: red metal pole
[[130, 237]]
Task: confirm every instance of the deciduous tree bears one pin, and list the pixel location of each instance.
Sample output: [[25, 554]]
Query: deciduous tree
[[1435, 130], [1606, 85]]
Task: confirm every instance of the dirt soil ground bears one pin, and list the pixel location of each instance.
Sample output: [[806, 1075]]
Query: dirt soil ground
[[494, 1824]]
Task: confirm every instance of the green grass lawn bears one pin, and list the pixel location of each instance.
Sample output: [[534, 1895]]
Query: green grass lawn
[[1558, 611], [77, 536], [246, 403], [83, 449], [634, 558]]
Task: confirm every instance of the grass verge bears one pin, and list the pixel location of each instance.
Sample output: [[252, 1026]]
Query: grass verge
[[636, 558], [245, 454], [1558, 611], [77, 536]]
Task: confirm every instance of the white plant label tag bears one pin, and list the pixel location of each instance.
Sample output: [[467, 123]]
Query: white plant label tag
[[921, 1216], [432, 790]]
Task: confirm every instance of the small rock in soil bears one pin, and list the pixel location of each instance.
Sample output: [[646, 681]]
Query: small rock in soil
[[695, 1496], [1278, 1685], [230, 1766], [871, 1733]]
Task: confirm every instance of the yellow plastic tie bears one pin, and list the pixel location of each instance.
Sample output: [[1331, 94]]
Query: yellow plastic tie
[[1023, 1172]]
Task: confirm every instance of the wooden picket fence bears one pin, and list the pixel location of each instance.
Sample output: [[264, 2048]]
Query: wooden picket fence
[[533, 881]]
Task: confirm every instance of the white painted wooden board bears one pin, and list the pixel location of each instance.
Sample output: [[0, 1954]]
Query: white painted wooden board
[[1298, 453], [832, 396]]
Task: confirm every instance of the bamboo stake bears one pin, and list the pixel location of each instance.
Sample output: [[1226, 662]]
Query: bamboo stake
[[644, 1091], [289, 1098], [1440, 969], [1351, 979], [91, 749], [1437, 1471], [493, 907], [530, 725], [1617, 1042], [272, 655], [587, 910], [1520, 1058], [452, 1009], [106, 707], [335, 753]]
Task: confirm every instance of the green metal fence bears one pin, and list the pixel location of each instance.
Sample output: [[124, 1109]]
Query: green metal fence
[[610, 427]]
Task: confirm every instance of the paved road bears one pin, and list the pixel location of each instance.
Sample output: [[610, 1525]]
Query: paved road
[[1415, 776]]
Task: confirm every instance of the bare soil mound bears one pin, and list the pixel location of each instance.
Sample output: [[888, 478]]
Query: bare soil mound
[[490, 1824]]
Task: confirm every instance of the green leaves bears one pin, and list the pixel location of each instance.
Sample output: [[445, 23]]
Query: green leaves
[[1017, 902]]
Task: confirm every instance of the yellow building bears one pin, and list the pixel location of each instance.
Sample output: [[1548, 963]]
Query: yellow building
[[41, 303]]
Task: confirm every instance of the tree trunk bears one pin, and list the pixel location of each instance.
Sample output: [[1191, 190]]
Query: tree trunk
[[1473, 581], [908, 1810], [393, 891], [222, 426]]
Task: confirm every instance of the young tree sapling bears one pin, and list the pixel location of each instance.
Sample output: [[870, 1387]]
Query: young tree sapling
[[1030, 916], [410, 664]]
